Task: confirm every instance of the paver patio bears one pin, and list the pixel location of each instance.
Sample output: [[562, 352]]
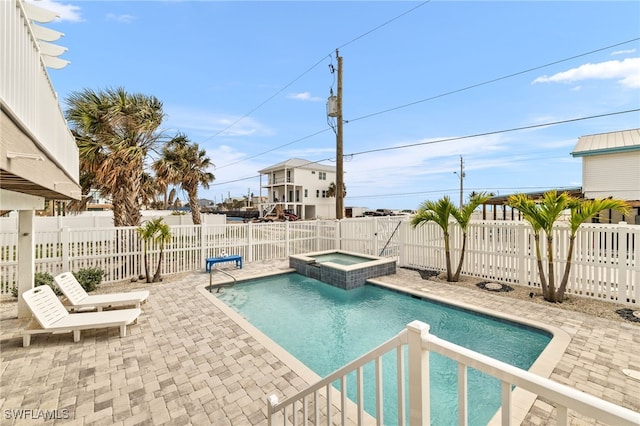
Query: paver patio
[[186, 362]]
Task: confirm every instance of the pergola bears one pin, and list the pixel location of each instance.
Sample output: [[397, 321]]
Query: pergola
[[501, 201], [512, 214]]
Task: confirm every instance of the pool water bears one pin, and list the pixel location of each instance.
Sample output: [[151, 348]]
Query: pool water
[[341, 258], [326, 327]]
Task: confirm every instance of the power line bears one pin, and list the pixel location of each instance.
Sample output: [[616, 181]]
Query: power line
[[514, 129], [255, 176], [437, 191], [430, 98], [309, 70], [274, 149], [384, 24], [495, 132], [473, 86]]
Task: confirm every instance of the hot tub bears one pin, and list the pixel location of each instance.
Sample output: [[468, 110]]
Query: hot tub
[[342, 269]]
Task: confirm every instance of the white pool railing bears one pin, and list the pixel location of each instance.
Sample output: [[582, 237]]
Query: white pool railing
[[315, 404]]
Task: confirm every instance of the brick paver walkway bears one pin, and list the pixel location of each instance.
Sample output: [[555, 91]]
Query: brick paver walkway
[[186, 362]]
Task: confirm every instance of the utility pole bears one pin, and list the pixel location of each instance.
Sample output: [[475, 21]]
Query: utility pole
[[461, 176], [339, 147]]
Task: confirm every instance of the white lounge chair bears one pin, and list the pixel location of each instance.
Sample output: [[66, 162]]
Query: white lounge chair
[[78, 299], [51, 316]]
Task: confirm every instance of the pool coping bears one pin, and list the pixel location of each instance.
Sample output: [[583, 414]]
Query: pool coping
[[521, 400], [373, 260]]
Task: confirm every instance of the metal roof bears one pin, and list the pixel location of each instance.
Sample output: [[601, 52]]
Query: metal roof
[[297, 163], [607, 143], [499, 200]]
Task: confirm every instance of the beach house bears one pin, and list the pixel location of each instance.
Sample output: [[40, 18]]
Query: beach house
[[611, 168], [299, 186]]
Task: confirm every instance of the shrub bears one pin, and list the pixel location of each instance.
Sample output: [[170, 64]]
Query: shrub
[[42, 278], [45, 278], [89, 278]]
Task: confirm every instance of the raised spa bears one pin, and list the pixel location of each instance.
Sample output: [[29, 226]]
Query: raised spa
[[342, 269]]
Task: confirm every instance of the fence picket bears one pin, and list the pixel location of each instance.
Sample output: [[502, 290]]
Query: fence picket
[[605, 263]]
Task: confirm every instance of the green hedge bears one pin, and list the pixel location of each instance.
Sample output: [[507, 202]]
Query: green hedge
[[89, 279]]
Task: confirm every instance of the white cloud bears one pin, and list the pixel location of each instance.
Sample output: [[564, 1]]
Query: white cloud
[[414, 166], [124, 19], [303, 96], [66, 12], [623, 52], [627, 72], [204, 125]]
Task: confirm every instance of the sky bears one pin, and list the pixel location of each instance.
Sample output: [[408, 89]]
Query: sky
[[507, 87]]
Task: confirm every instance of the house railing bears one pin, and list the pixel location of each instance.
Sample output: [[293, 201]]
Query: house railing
[[26, 90], [420, 343], [605, 264]]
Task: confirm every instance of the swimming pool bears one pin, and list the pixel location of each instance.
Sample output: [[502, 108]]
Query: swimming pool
[[325, 327]]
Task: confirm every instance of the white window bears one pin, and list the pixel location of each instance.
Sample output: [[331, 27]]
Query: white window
[[322, 175]]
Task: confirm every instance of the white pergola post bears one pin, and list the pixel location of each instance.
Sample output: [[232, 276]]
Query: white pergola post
[[26, 258], [26, 205]]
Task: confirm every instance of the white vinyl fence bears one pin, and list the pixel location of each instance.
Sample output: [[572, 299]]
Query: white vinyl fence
[[605, 262]]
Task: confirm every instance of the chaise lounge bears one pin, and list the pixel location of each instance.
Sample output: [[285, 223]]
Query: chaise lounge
[[50, 316], [78, 299]]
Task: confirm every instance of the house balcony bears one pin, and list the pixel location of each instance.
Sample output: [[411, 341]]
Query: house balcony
[[39, 153]]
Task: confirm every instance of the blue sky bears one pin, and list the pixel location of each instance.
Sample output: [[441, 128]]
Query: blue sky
[[249, 81]]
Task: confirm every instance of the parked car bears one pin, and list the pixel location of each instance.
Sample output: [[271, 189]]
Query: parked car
[[290, 216], [384, 212]]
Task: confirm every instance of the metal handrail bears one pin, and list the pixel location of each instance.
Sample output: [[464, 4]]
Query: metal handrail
[[221, 285]]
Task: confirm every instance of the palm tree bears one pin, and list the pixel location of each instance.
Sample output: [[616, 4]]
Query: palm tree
[[543, 216], [154, 232], [440, 213], [463, 217], [114, 131], [581, 211], [331, 191], [149, 190], [548, 210], [529, 211], [185, 164]]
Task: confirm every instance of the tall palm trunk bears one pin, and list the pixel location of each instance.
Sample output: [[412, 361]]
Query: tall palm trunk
[[132, 197], [193, 203]]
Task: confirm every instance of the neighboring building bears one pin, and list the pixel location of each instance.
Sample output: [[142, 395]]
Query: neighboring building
[[98, 202], [611, 168], [300, 186], [38, 156]]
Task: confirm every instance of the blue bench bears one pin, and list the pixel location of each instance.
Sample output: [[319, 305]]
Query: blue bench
[[210, 261]]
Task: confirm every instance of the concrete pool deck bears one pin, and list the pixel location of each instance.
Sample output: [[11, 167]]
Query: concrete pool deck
[[188, 362]]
